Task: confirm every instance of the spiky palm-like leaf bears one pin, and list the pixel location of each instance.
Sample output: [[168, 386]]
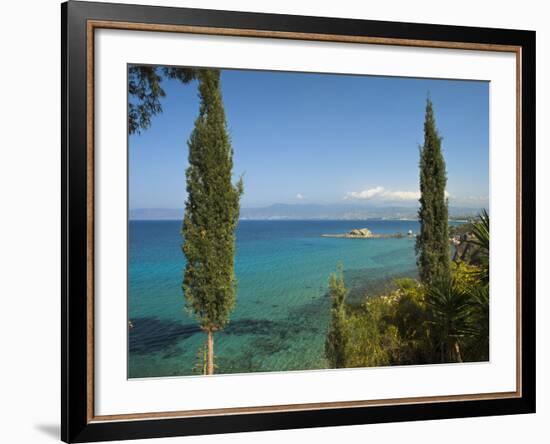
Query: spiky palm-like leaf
[[480, 231], [480, 318], [450, 310]]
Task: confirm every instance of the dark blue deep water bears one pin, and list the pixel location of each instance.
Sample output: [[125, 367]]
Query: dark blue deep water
[[282, 310]]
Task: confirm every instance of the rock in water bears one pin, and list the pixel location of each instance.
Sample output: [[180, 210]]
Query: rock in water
[[360, 232]]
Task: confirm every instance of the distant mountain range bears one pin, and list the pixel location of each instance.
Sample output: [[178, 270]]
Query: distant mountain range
[[310, 212]]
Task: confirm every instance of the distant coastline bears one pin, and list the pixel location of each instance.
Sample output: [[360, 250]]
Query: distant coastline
[[281, 212], [369, 219]]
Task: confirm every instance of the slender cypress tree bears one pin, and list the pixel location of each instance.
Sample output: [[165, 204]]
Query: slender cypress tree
[[211, 215], [432, 244], [337, 338]]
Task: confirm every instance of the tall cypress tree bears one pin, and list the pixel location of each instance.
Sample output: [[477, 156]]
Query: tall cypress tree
[[211, 215], [432, 244]]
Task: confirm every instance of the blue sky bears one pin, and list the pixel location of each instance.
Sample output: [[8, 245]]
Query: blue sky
[[319, 138]]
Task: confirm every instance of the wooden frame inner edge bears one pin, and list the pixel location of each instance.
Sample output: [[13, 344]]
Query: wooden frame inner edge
[[95, 24]]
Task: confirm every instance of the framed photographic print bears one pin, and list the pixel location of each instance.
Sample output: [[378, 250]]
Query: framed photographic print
[[276, 221]]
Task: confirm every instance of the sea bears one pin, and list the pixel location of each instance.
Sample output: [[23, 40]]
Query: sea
[[282, 311]]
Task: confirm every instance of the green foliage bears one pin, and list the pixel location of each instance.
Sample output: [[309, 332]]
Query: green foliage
[[477, 346], [379, 341], [471, 281], [465, 275], [369, 344], [410, 319], [432, 243], [336, 340], [337, 288], [211, 212], [480, 230], [388, 328], [449, 314], [417, 324], [183, 75], [442, 318], [145, 92]]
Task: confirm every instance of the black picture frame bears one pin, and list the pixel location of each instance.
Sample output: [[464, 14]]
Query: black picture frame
[[76, 424]]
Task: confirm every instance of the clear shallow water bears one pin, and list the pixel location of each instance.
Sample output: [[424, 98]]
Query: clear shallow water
[[282, 310]]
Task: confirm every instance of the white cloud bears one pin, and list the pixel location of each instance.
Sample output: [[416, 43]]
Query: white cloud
[[365, 194], [381, 193], [299, 196]]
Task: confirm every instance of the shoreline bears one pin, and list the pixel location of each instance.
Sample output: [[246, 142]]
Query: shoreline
[[364, 286]]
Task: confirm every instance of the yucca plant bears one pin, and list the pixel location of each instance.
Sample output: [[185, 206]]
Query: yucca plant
[[480, 230], [449, 318], [480, 317]]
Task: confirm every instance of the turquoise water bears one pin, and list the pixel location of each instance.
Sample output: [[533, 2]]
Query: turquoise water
[[282, 310]]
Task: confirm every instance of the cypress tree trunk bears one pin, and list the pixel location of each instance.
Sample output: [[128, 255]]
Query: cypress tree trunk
[[211, 215], [210, 362], [457, 354], [432, 244]]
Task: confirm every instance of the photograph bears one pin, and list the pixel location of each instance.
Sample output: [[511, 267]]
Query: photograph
[[293, 220], [288, 221]]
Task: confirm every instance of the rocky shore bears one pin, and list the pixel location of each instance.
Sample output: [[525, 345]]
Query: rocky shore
[[465, 249]]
